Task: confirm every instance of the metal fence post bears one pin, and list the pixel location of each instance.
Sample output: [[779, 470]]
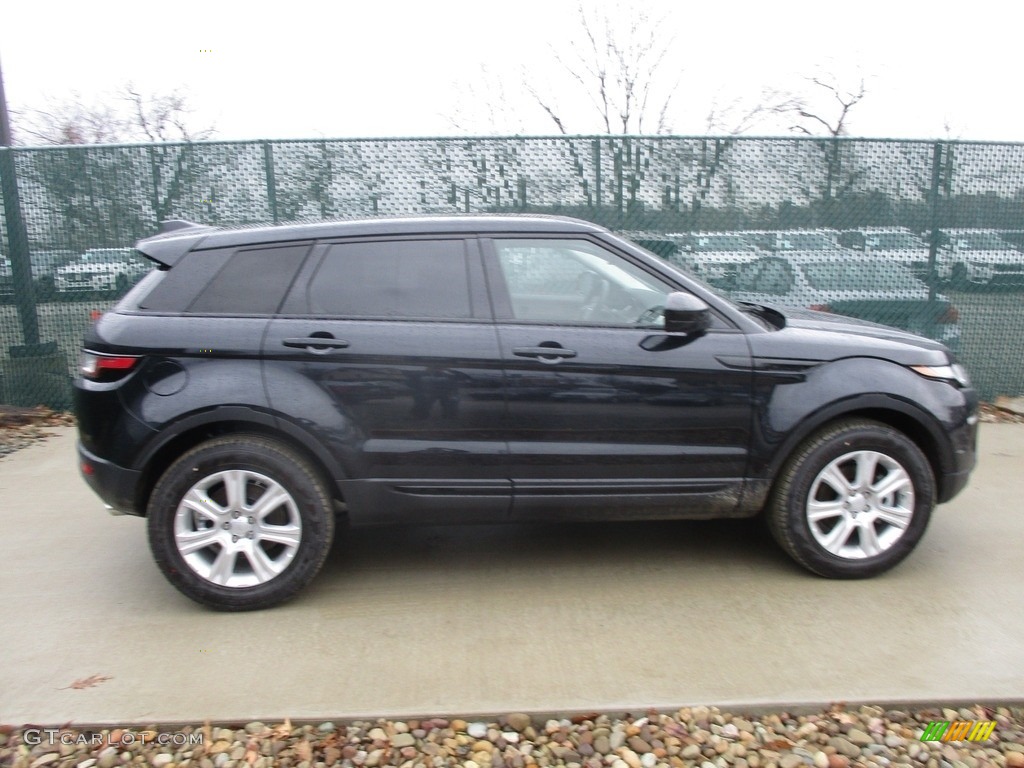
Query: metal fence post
[[268, 162], [933, 239], [17, 239]]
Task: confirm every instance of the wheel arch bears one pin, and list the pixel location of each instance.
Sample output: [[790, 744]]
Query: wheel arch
[[196, 428], [899, 414]]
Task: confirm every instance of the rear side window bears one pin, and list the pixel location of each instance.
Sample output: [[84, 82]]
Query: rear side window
[[390, 279], [251, 281]]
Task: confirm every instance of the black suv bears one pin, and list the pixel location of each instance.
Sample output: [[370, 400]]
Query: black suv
[[261, 382]]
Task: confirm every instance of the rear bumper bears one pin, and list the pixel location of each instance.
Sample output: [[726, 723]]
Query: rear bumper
[[115, 485]]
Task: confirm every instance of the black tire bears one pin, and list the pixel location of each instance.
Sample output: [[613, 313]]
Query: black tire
[[852, 531], [293, 535]]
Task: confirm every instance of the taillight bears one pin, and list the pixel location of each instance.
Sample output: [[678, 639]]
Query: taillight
[[820, 307], [950, 315], [105, 367]]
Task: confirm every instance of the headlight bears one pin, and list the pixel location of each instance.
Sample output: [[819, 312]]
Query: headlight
[[954, 372]]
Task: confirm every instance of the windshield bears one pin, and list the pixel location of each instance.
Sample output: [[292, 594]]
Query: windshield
[[981, 241], [875, 275], [893, 241], [805, 241], [106, 255], [706, 243]]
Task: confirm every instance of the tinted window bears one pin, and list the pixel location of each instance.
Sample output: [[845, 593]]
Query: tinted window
[[252, 282], [399, 278], [576, 281], [179, 286]]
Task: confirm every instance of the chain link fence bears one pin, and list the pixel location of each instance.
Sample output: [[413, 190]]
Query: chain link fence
[[925, 236]]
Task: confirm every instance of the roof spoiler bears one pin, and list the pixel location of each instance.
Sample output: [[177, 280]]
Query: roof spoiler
[[174, 225]]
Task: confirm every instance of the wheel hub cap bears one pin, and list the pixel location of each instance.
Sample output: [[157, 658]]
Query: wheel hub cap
[[237, 528], [860, 504]]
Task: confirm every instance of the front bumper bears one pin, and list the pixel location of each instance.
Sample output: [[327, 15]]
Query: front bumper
[[116, 486]]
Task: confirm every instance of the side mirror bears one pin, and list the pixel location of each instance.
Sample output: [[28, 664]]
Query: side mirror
[[685, 313]]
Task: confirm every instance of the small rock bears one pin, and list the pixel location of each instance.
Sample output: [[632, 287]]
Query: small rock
[[617, 739], [458, 725], [820, 760], [49, 757], [326, 727], [602, 745], [638, 745], [518, 721], [690, 752], [159, 761], [844, 746], [838, 761], [648, 760], [510, 736], [791, 761], [255, 727], [377, 734], [730, 731], [403, 740], [477, 730], [1015, 760], [859, 737], [86, 763]]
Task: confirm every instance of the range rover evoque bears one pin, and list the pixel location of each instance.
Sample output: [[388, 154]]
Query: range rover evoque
[[261, 383]]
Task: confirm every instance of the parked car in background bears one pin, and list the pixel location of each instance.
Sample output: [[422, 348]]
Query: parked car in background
[[897, 244], [102, 270], [6, 277], [796, 240], [718, 255], [876, 290], [980, 257], [665, 247], [262, 382], [45, 264]]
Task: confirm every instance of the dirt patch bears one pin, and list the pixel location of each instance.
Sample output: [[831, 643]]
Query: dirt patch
[[20, 427]]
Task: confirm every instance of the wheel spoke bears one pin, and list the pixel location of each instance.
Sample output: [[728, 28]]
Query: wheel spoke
[[836, 480], [288, 535], [867, 464], [869, 542], [895, 480], [223, 566], [235, 481], [193, 541], [838, 536], [271, 499], [897, 517], [199, 502], [262, 566], [823, 510]]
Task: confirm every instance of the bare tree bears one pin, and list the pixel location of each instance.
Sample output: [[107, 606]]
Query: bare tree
[[622, 67], [824, 110], [162, 116], [127, 115]]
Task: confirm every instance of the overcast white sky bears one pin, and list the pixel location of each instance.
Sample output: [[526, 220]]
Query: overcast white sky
[[303, 69]]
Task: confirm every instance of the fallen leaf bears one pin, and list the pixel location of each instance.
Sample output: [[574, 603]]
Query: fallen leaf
[[304, 751], [282, 731], [87, 682]]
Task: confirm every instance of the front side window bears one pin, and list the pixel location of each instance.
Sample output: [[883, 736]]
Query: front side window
[[425, 279], [577, 281]]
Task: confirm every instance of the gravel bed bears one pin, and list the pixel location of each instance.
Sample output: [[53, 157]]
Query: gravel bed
[[699, 736]]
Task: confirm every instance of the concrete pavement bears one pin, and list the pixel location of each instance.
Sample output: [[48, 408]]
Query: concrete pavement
[[616, 617]]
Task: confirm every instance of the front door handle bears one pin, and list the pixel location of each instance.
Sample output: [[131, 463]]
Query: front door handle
[[318, 345], [553, 354]]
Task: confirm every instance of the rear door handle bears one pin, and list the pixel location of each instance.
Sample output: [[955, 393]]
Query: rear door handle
[[316, 344], [553, 353]]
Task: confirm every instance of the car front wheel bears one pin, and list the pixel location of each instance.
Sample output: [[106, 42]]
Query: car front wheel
[[240, 523], [853, 500]]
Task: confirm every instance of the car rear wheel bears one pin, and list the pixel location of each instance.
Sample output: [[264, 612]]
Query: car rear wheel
[[240, 522], [853, 500]]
